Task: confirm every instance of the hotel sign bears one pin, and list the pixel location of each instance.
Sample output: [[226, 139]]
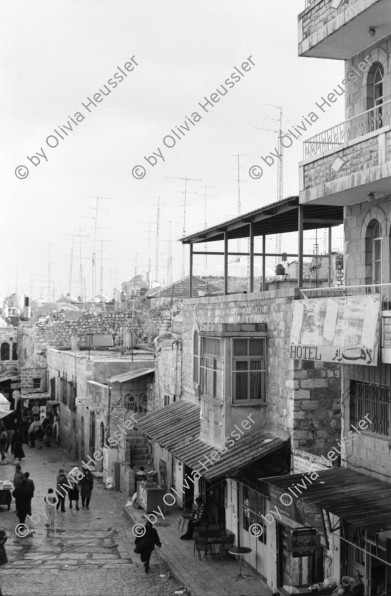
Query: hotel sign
[[341, 330]]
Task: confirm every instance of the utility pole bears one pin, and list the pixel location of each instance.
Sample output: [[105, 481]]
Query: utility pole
[[101, 284], [157, 270], [49, 281], [95, 228], [206, 225], [185, 193], [280, 170]]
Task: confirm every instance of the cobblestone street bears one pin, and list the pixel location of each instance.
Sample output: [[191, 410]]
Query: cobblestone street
[[90, 553]]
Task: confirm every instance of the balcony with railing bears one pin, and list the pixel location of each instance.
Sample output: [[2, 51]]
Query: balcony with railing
[[338, 29], [346, 163], [358, 126]]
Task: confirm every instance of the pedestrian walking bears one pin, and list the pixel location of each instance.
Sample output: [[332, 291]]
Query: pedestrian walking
[[31, 433], [62, 489], [23, 495], [18, 445], [50, 502], [10, 434], [144, 545], [24, 430], [29, 482], [3, 554], [3, 444], [73, 493], [18, 476], [39, 434], [86, 485]]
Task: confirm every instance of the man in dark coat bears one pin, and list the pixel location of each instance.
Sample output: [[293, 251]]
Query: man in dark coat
[[146, 544], [62, 489], [200, 517], [86, 485], [29, 482], [23, 495]]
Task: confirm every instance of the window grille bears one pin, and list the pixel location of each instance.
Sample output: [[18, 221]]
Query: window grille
[[374, 401]]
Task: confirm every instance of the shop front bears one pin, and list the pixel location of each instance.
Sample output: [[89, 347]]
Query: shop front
[[334, 523]]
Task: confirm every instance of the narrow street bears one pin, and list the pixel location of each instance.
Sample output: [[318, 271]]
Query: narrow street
[[89, 553]]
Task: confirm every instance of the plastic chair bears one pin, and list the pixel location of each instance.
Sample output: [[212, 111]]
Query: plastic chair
[[225, 545], [201, 545]]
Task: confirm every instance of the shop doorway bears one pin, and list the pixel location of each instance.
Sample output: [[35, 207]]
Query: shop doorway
[[188, 497], [298, 572], [82, 443], [92, 432]]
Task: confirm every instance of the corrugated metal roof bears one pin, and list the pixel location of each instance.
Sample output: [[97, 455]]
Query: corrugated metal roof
[[177, 428], [173, 425], [133, 374], [358, 499], [276, 218], [246, 450], [9, 378]]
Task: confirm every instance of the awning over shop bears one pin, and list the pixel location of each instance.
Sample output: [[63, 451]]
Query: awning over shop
[[9, 378], [358, 499], [245, 451], [172, 426], [130, 376], [35, 396], [177, 428]]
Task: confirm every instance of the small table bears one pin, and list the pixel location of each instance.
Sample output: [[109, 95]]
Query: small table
[[240, 551]]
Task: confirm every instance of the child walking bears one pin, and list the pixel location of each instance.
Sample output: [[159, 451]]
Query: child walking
[[50, 502]]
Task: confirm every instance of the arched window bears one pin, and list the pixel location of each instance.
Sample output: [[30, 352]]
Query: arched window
[[14, 351], [375, 87], [5, 351], [373, 253], [196, 363]]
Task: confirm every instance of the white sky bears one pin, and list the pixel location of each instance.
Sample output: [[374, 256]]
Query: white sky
[[56, 53]]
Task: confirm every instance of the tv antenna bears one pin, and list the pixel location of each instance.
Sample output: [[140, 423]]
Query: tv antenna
[[280, 168]]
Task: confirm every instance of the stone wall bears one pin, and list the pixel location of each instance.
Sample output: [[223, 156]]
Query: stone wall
[[358, 262], [357, 100], [168, 372], [369, 453], [57, 329], [320, 20], [302, 398]]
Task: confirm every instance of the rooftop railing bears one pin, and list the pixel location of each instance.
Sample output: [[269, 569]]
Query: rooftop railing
[[353, 128], [384, 290]]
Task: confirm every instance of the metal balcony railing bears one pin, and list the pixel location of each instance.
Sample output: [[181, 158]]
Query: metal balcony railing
[[336, 292], [353, 128]]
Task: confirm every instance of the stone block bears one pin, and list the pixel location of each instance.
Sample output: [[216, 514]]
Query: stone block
[[314, 383], [301, 394], [310, 405]]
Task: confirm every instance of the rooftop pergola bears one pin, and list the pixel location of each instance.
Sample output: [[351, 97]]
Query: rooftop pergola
[[277, 218]]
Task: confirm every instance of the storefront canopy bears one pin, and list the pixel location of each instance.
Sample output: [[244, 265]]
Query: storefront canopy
[[356, 498], [131, 375], [177, 428], [172, 426]]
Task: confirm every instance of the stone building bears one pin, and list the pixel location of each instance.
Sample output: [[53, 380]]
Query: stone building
[[97, 393], [234, 406], [349, 166]]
